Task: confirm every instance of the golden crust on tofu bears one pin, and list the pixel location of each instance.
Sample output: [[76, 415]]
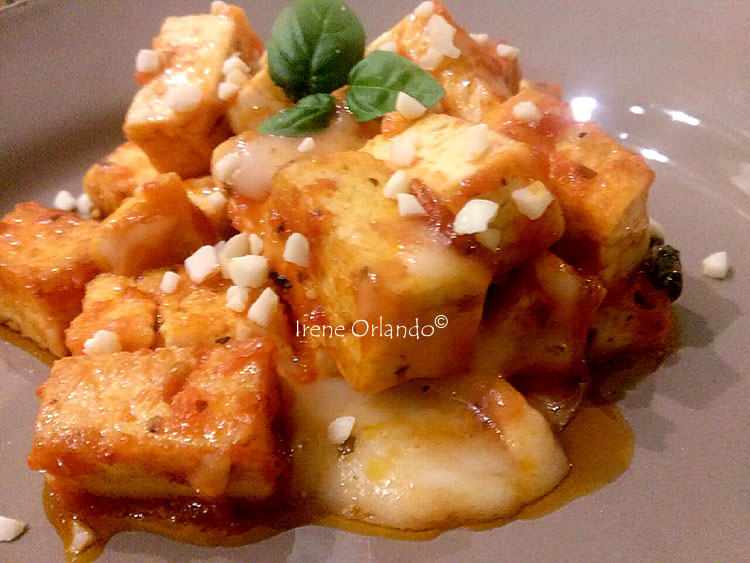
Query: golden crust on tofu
[[176, 131], [116, 177], [368, 264], [156, 227], [44, 266], [475, 82], [635, 317], [163, 423], [423, 455], [115, 304], [603, 189], [444, 178], [537, 321]]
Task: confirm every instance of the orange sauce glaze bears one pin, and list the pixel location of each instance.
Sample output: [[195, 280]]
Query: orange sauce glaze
[[598, 442]]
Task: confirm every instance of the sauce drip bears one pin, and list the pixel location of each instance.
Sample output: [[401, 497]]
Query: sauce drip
[[598, 442]]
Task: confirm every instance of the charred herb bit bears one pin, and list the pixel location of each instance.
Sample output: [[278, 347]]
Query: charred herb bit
[[665, 270], [347, 447], [280, 281], [223, 339]]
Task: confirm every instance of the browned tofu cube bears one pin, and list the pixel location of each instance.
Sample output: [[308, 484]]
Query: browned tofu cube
[[635, 317], [177, 117], [115, 304], [537, 322], [445, 176], [116, 177], [164, 423], [603, 189], [370, 272], [258, 100], [475, 82], [210, 197], [44, 266], [156, 227]]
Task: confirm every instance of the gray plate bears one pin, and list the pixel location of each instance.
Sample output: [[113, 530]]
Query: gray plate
[[65, 82]]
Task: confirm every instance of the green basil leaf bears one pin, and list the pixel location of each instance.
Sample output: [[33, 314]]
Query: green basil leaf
[[309, 116], [374, 84], [314, 44]]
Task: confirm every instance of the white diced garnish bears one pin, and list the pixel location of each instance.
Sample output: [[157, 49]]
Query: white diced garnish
[[225, 168], [264, 307], [389, 46], [84, 205], [249, 271], [341, 428], [431, 59], [424, 10], [64, 200], [489, 238], [716, 265], [477, 140], [237, 298], [201, 264], [402, 150], [10, 529], [408, 106], [226, 90], [440, 34], [182, 97], [217, 201], [169, 282], [409, 206], [237, 77], [146, 61], [238, 245], [527, 111], [396, 184], [297, 250], [219, 246], [475, 216], [103, 342], [307, 144], [533, 200], [256, 244], [508, 51], [234, 63], [479, 37], [81, 537], [656, 229]]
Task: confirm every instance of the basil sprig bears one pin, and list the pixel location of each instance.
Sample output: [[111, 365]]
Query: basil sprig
[[374, 84], [308, 117], [316, 47], [314, 44]]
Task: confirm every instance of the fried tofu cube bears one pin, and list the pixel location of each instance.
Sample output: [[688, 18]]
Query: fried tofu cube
[[603, 189], [210, 197], [475, 82], [635, 317], [44, 266], [116, 177], [156, 227], [162, 424], [444, 177], [372, 273], [257, 100], [537, 321], [195, 314], [177, 117], [115, 304]]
